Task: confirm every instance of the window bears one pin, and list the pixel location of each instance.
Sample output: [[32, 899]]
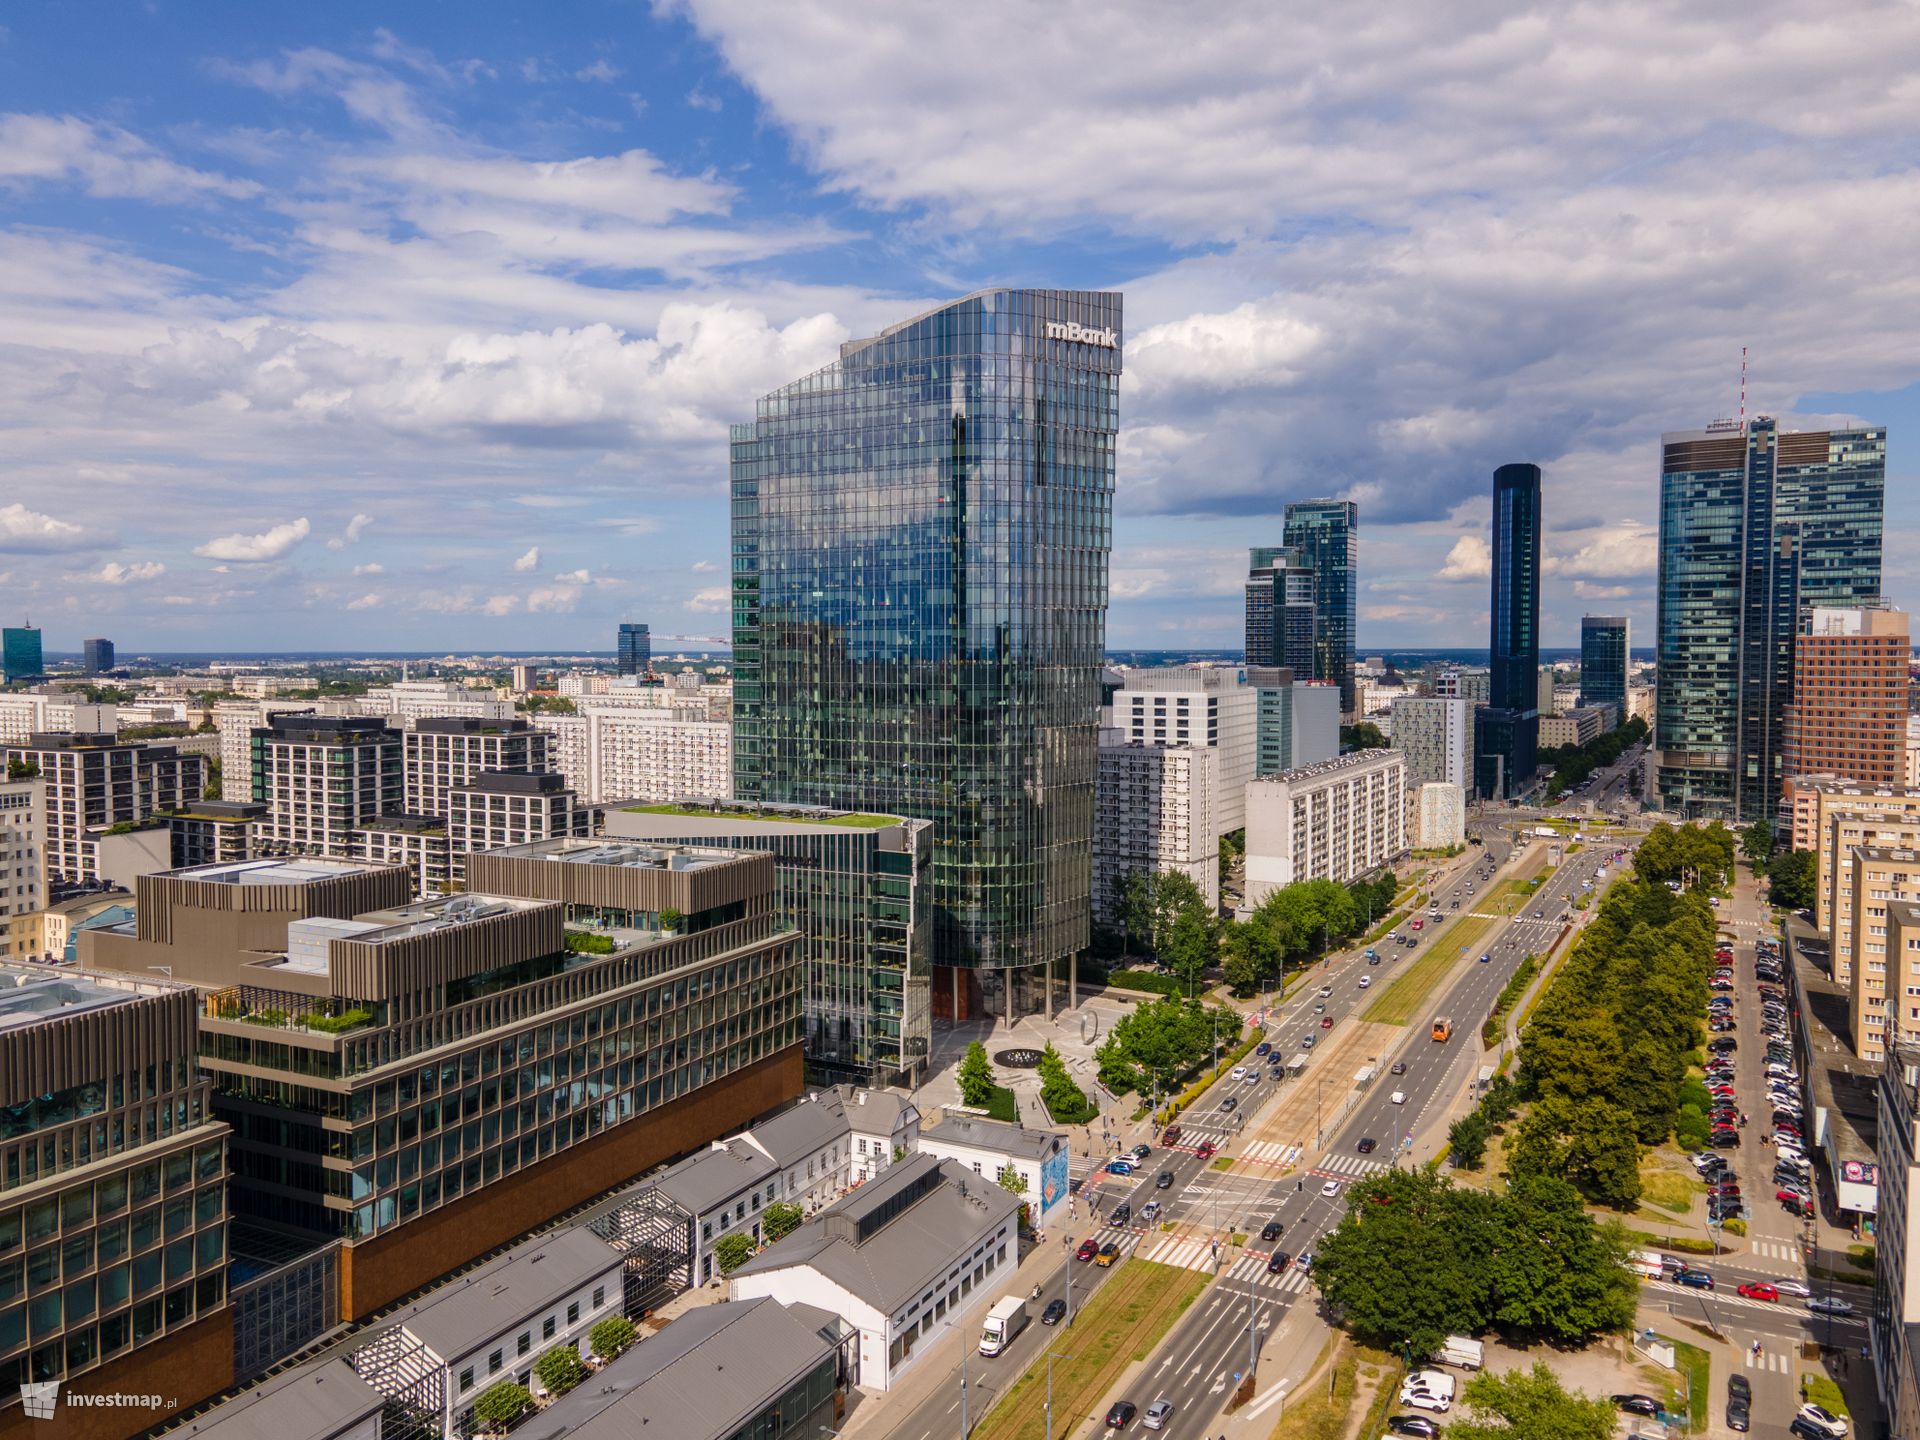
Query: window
[[573, 1313], [599, 1296], [493, 1363], [526, 1342], [546, 1328], [466, 1380]]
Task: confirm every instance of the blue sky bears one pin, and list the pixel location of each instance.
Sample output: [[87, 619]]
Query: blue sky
[[420, 326]]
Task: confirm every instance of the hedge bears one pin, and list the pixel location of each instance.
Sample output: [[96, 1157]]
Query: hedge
[[1150, 981]]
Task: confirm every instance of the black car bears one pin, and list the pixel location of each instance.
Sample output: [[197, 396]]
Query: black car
[[1270, 1230], [1055, 1312], [1637, 1404], [1121, 1415], [1723, 1045], [1228, 1105], [1725, 1140], [1739, 1402], [1807, 1430], [1413, 1425], [1278, 1261], [1164, 1180], [1365, 1147]]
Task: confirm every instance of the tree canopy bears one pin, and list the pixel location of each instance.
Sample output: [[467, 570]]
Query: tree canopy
[[1791, 877], [1362, 735], [1697, 855], [1302, 919], [1158, 1044], [975, 1076], [1530, 1405]]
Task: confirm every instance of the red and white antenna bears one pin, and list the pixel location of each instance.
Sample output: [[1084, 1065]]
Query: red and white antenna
[[1743, 387]]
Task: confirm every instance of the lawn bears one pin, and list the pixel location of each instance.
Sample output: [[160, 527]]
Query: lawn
[[1002, 1106], [1407, 995], [1698, 1367], [1126, 1319], [1668, 1189]]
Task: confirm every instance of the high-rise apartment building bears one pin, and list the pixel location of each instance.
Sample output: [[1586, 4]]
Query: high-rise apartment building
[[859, 888], [114, 1232], [20, 657], [1281, 605], [23, 878], [322, 776], [1336, 821], [613, 750], [509, 807], [920, 543], [1296, 721], [405, 703], [442, 754], [1507, 732], [1755, 529], [1436, 736], [1882, 1003], [1849, 710], [1894, 1323], [96, 656], [1603, 663], [1327, 534], [94, 785], [1464, 683], [1196, 705], [636, 649], [425, 1081], [1155, 816]]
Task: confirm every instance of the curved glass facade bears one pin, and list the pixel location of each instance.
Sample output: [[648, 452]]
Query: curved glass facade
[[920, 544]]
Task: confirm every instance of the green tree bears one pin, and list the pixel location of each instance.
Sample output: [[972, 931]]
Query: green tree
[[1556, 1275], [976, 1076], [500, 1404], [1066, 1102], [1529, 1405], [1133, 900], [733, 1250], [559, 1369], [1791, 877], [1593, 1143], [1363, 735], [1011, 1180], [1191, 945], [610, 1336], [1756, 843], [1467, 1140], [780, 1220]]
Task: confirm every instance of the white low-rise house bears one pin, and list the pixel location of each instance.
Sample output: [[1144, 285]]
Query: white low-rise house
[[321, 1401], [988, 1147], [710, 1195], [493, 1323], [884, 1124], [810, 1146], [902, 1259]]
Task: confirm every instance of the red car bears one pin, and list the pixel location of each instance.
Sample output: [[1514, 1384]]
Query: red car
[[1204, 1150], [1326, 1022], [1088, 1249], [1757, 1291], [1790, 1197]]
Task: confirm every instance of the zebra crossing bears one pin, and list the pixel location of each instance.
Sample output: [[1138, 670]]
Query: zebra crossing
[[1719, 1299], [1196, 1253], [1772, 1360], [1774, 1249], [1252, 1270], [1343, 1167], [1270, 1152], [1183, 1251]]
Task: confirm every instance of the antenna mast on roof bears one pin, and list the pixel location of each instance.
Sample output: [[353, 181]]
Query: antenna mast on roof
[[1743, 387]]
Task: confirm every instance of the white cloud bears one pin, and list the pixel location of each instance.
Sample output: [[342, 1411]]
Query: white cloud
[[114, 573], [1469, 559], [575, 577], [500, 605], [553, 599], [529, 561], [368, 601], [102, 159], [1630, 548], [716, 600], [29, 532], [602, 70], [373, 567], [351, 535], [1587, 590], [252, 549], [704, 567]]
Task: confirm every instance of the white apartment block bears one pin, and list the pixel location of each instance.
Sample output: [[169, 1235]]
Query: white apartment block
[[1202, 706], [93, 784], [1440, 816], [567, 740], [1335, 821], [406, 702], [23, 881], [1376, 697], [236, 720], [443, 753], [1913, 752], [22, 716], [1153, 812], [652, 755], [1436, 735]]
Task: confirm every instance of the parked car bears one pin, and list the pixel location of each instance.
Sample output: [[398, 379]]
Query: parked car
[[1416, 1425], [1826, 1420], [1637, 1404]]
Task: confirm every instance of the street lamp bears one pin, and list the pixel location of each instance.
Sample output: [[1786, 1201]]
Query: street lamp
[[1051, 1357]]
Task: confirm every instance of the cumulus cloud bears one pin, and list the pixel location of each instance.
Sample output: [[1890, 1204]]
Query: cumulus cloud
[[602, 70], [373, 567], [351, 535], [1630, 548], [368, 601], [114, 573], [704, 567], [1587, 590], [553, 599], [529, 561], [500, 605], [716, 600], [1470, 559], [575, 577], [30, 532], [253, 549]]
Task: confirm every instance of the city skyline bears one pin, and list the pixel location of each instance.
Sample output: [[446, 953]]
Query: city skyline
[[327, 334]]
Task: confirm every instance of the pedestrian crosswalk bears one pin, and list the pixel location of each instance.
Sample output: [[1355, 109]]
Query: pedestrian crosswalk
[[1270, 1152], [1717, 1299], [1776, 1361], [1774, 1249], [1184, 1251], [1252, 1269], [1348, 1166]]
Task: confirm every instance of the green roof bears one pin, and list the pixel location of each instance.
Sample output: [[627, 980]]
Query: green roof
[[747, 812]]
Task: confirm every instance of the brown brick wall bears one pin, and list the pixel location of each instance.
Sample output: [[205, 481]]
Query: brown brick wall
[[182, 1369], [377, 1272]]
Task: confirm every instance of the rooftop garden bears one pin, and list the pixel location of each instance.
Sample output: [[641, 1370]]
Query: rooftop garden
[[748, 812]]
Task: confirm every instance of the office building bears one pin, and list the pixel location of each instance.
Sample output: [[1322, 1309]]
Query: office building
[[920, 607], [20, 657], [322, 777], [1464, 683], [214, 832], [23, 879], [442, 1076], [115, 1227], [1280, 609], [1881, 1006], [1440, 816], [1581, 725], [1296, 722], [1604, 646], [859, 888], [1507, 732], [443, 753], [1849, 710], [1154, 815], [1755, 528], [98, 790], [507, 807], [1201, 706], [1327, 535], [525, 679], [1335, 821], [636, 649], [96, 656], [1893, 1326], [1436, 736], [903, 1259]]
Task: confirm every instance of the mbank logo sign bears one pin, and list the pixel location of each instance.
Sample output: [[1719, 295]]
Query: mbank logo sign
[[1075, 334], [39, 1398]]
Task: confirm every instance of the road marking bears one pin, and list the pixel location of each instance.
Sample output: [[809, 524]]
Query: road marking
[[1769, 1360]]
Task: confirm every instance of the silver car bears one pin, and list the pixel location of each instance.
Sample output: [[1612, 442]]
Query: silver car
[[1158, 1413]]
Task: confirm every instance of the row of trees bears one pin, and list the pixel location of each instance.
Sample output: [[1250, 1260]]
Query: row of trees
[[1572, 764], [559, 1369], [1699, 856], [1605, 1056], [1163, 914], [1066, 1102], [1417, 1258], [1160, 1043], [1300, 920]]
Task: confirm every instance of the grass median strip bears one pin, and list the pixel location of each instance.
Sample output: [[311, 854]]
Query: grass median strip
[[1407, 996], [1128, 1316]]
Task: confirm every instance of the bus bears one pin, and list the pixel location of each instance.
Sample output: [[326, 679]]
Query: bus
[[1442, 1029]]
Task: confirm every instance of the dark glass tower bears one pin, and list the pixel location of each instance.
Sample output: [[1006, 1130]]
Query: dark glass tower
[[920, 543], [1508, 731], [96, 656], [20, 657], [1327, 533], [1603, 662], [1280, 609], [636, 649], [1756, 528]]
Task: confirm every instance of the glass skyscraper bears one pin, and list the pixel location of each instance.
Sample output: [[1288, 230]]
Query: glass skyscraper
[[1280, 609], [1603, 662], [1507, 733], [920, 543], [1756, 528], [636, 649], [20, 657], [1327, 534]]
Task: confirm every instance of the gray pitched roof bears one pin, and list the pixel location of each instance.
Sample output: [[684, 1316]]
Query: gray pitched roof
[[507, 1289], [700, 1182], [309, 1402], [994, 1135], [798, 1132], [871, 1112], [701, 1378], [902, 1257]]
